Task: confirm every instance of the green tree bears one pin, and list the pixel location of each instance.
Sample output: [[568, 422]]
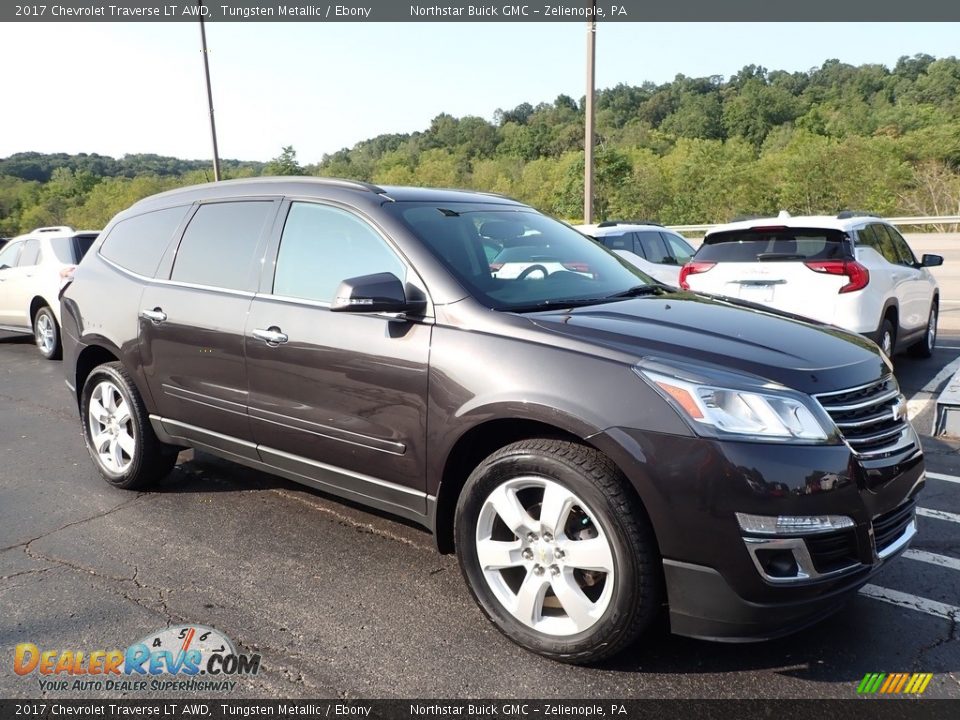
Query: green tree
[[285, 163]]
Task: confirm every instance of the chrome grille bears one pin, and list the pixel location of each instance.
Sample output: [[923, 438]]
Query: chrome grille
[[872, 418]]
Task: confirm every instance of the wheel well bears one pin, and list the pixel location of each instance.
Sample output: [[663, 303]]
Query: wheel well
[[35, 305], [475, 445], [892, 314], [90, 358]]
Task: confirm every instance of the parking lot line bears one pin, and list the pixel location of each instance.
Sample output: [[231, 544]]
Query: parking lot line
[[933, 559], [945, 478], [939, 514], [911, 602]]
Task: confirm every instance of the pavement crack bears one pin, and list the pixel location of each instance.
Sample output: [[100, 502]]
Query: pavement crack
[[33, 571], [97, 516], [950, 636]]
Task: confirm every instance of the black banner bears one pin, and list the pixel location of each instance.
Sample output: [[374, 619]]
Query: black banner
[[479, 11], [875, 708]]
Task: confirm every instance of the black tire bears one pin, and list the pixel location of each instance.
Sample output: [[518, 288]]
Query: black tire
[[924, 348], [46, 334], [887, 329], [150, 460], [602, 496]]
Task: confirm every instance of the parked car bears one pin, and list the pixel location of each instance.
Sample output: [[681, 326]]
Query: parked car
[[594, 447], [658, 252], [516, 251], [32, 269], [855, 271]]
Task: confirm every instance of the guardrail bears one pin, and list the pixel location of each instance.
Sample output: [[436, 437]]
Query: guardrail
[[915, 220]]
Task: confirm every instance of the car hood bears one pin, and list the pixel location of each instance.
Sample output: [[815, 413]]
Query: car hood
[[692, 328]]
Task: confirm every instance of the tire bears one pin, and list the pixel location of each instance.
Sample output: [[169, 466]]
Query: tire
[[887, 337], [925, 347], [46, 334], [532, 584], [129, 456]]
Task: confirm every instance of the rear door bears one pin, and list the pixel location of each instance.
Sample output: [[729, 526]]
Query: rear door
[[768, 265], [19, 284], [9, 257], [339, 399], [192, 323]]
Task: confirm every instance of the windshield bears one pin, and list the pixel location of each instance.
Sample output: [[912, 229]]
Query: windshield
[[774, 244], [516, 259]]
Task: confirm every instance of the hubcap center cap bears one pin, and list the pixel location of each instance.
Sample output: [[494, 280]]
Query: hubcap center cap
[[543, 553]]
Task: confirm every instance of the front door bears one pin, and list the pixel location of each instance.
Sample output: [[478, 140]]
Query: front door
[[338, 399]]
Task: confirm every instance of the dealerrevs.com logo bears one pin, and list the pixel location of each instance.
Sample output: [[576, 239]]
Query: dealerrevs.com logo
[[175, 658]]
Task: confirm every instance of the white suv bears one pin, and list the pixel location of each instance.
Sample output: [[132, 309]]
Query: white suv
[[32, 270], [658, 252], [853, 270]]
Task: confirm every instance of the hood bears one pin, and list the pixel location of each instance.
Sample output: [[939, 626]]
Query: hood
[[800, 354]]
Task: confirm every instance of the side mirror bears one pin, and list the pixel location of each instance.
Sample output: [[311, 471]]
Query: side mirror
[[4, 267], [931, 261], [378, 293]]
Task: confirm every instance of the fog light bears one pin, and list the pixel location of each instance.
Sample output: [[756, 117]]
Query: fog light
[[778, 563], [792, 524]]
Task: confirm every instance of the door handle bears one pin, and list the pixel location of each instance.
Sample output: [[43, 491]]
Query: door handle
[[156, 315], [272, 336]]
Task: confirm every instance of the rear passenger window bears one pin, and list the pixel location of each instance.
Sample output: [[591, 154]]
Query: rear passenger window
[[219, 245], [138, 243], [31, 253], [323, 246], [885, 244], [619, 242], [654, 248]]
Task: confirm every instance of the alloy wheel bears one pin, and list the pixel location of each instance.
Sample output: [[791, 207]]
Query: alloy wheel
[[544, 556], [45, 333], [111, 427]]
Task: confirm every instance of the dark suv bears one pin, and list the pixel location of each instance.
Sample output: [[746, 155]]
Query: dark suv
[[594, 446]]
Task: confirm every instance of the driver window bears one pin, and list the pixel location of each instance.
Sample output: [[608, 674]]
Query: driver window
[[322, 246]]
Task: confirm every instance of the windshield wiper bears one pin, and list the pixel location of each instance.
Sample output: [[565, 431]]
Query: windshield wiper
[[551, 305], [640, 291]]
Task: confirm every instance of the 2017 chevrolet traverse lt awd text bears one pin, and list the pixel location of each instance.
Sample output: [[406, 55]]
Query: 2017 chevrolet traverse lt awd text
[[595, 447]]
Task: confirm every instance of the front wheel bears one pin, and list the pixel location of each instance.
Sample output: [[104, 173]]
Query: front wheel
[[887, 337], [46, 333], [557, 551], [116, 428]]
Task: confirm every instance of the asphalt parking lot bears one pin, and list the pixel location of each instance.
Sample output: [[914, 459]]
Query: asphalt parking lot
[[344, 603]]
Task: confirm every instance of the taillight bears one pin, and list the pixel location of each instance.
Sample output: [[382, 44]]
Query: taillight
[[494, 267], [693, 268], [580, 267], [857, 275]]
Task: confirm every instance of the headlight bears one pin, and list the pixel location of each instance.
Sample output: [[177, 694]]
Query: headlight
[[755, 413]]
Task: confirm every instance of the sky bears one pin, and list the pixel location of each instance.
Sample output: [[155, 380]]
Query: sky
[[117, 88]]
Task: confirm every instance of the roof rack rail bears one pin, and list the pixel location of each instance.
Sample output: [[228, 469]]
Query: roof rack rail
[[53, 228], [847, 214], [355, 184], [614, 223]]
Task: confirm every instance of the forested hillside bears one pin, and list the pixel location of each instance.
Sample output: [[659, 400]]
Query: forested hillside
[[692, 150]]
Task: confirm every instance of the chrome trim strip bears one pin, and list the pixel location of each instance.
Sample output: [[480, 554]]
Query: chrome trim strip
[[330, 433], [870, 421], [201, 399], [156, 420], [901, 542], [889, 395], [341, 471], [174, 283], [806, 572], [876, 437], [856, 388]]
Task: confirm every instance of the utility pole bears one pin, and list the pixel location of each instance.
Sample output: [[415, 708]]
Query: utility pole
[[206, 72], [588, 134]]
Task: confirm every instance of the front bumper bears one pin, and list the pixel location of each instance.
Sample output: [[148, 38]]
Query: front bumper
[[693, 488]]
